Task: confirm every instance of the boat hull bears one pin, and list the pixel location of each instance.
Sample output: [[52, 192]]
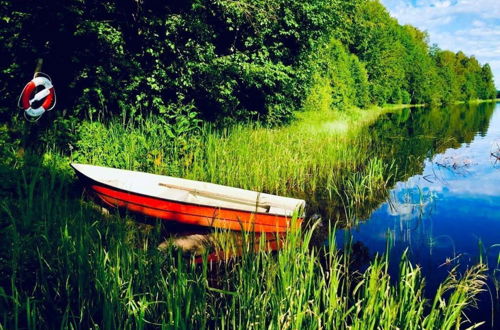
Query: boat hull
[[192, 214]]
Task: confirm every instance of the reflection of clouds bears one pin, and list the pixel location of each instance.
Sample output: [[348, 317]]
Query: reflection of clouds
[[428, 183], [488, 185], [400, 209], [474, 176], [409, 203], [407, 210], [482, 181]]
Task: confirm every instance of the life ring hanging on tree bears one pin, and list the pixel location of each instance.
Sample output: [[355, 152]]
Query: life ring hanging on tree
[[37, 96]]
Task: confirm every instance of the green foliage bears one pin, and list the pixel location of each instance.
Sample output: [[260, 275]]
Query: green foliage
[[487, 89], [421, 75], [225, 60], [333, 63], [402, 68], [360, 79], [319, 97], [376, 43], [450, 88], [462, 78], [228, 59], [63, 264], [153, 146], [339, 78]]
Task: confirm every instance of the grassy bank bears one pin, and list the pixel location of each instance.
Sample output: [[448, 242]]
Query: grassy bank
[[478, 101], [321, 155], [64, 264]]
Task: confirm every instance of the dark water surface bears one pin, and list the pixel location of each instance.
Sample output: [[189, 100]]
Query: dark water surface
[[445, 207]]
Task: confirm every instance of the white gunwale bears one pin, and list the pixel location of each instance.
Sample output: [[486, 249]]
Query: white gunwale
[[191, 191]]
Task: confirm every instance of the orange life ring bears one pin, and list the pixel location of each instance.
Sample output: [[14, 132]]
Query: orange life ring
[[27, 99]]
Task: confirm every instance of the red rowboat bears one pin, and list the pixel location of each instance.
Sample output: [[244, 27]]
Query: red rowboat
[[191, 202]]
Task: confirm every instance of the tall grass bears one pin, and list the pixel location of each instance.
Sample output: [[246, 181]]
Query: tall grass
[[490, 256], [321, 156], [66, 265], [63, 264]]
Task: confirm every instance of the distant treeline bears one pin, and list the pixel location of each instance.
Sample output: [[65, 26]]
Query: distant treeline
[[226, 59]]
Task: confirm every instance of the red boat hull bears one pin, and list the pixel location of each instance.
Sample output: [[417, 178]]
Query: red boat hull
[[192, 214]]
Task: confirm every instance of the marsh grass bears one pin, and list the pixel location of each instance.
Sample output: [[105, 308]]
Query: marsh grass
[[490, 256], [322, 156], [65, 265]]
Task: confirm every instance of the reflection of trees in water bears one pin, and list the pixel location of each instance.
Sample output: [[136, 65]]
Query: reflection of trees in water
[[406, 139], [403, 141], [410, 139]]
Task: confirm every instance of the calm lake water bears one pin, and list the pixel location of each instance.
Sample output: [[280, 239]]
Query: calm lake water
[[446, 203], [444, 207]]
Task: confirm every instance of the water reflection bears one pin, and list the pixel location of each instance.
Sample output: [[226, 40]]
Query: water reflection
[[404, 141], [409, 139], [444, 206]]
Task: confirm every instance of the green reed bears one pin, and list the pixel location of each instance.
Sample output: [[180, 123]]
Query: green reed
[[322, 155], [64, 264]]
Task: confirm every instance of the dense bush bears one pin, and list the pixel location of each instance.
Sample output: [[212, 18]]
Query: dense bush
[[224, 60]]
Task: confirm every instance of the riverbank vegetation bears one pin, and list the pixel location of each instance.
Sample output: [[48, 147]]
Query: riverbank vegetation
[[275, 96], [67, 265], [65, 258], [226, 60]]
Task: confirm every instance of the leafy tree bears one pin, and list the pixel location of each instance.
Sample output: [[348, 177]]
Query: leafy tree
[[376, 43], [223, 60], [360, 80], [420, 70], [487, 88], [447, 78]]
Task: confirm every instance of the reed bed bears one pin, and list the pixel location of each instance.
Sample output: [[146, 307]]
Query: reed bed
[[63, 264], [322, 156]]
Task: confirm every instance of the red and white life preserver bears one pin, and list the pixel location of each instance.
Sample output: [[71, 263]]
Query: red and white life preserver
[[27, 98]]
